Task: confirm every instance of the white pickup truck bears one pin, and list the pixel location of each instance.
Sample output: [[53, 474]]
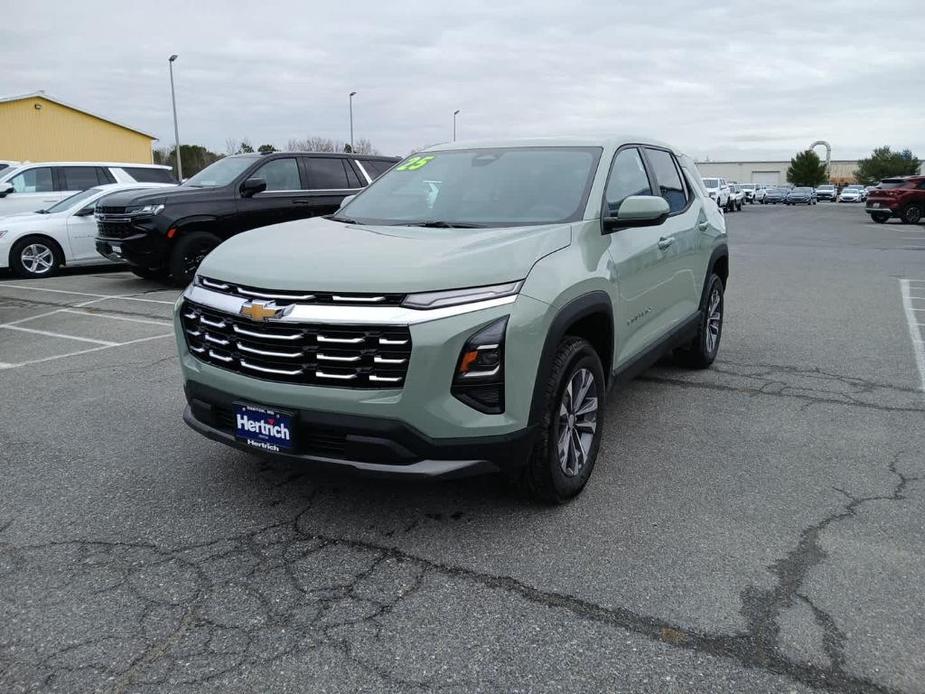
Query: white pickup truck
[[718, 190]]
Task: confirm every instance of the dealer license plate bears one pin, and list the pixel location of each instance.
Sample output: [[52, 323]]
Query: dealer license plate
[[263, 428]]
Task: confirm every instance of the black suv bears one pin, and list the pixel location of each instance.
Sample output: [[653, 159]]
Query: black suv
[[169, 231]]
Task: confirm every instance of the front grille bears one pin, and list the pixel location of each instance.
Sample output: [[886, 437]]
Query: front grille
[[284, 297], [114, 229], [344, 356], [103, 209]]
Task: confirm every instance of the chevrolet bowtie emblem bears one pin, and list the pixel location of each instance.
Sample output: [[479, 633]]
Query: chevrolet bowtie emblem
[[263, 310]]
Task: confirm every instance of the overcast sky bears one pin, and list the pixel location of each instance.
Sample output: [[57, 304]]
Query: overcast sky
[[719, 79]]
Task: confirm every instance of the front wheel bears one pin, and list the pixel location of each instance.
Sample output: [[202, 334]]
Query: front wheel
[[35, 256], [880, 218], [739, 206], [570, 432], [700, 352], [188, 253]]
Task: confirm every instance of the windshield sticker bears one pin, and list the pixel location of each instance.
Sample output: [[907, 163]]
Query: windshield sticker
[[415, 163]]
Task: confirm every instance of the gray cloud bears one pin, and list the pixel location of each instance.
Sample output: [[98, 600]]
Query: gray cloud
[[730, 79]]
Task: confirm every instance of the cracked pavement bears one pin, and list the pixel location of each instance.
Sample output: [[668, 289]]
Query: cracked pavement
[[758, 527]]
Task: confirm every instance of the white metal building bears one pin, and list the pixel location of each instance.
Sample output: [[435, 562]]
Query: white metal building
[[771, 172]]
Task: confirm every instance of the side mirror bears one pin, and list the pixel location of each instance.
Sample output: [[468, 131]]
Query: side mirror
[[5, 189], [638, 211], [345, 201], [252, 186], [85, 212]]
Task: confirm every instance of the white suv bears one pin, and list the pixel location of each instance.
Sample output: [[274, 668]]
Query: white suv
[[36, 186], [718, 190]]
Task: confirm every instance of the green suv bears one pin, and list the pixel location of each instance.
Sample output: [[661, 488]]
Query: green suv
[[467, 312]]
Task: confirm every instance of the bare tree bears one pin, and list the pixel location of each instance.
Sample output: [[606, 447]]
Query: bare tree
[[325, 144], [231, 145]]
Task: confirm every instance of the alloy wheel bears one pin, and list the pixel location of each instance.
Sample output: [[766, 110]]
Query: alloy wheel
[[37, 258], [714, 320], [577, 422]]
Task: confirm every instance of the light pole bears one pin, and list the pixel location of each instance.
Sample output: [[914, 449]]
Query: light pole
[[176, 129], [351, 120], [455, 113]]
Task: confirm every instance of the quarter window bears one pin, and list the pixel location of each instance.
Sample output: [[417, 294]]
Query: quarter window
[[36, 180], [627, 177], [668, 178], [144, 175], [327, 174], [280, 174]]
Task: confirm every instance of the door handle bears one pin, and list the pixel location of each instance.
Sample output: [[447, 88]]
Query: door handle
[[664, 242], [302, 201], [703, 226]]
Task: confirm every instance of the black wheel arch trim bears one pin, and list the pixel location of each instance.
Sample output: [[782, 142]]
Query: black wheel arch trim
[[188, 224], [596, 301], [721, 251]]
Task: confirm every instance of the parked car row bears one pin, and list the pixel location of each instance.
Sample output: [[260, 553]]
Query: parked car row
[[137, 214]]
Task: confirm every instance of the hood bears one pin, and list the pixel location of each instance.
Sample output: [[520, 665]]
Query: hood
[[27, 218], [175, 194], [323, 255]]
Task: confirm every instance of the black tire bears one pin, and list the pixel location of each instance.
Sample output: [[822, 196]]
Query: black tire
[[544, 477], [149, 273], [739, 206], [36, 256], [880, 217], [912, 214], [699, 354], [188, 253]]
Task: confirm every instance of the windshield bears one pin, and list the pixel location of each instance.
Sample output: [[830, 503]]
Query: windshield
[[711, 182], [826, 188], [220, 173], [510, 186], [802, 190], [888, 184], [748, 186], [69, 202]]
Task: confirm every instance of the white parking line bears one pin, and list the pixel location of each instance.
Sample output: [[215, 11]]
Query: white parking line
[[918, 346], [28, 318], [47, 333], [4, 365], [106, 315], [101, 297]]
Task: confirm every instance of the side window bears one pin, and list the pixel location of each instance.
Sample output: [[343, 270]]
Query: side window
[[144, 175], [627, 177], [668, 178], [280, 174], [326, 174], [105, 175], [78, 177], [34, 181], [376, 167]]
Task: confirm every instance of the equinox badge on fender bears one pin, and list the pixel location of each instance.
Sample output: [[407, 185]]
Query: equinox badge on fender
[[264, 310]]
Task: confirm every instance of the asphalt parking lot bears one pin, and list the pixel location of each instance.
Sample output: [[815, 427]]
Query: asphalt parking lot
[[759, 526]]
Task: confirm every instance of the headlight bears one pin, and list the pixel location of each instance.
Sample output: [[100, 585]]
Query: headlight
[[145, 209], [479, 377], [454, 297]]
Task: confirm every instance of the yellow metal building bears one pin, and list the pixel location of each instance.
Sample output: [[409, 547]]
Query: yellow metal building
[[36, 127]]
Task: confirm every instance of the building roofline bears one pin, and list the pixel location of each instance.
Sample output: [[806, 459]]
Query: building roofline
[[42, 95]]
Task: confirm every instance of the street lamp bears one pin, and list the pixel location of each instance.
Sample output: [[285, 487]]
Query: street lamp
[[351, 120], [176, 129], [455, 113]]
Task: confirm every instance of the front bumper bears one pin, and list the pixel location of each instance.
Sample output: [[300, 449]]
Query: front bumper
[[145, 250], [371, 446], [880, 210]]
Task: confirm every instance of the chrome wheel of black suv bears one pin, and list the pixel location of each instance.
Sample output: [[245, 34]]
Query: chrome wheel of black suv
[[702, 350], [570, 431]]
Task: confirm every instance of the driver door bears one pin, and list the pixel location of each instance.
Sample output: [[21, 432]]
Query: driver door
[[643, 297], [81, 234]]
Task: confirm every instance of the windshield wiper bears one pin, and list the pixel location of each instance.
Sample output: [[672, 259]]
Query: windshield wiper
[[439, 224], [344, 220]]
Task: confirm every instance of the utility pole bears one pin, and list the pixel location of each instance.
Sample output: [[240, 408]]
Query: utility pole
[[176, 129], [352, 94], [455, 113]]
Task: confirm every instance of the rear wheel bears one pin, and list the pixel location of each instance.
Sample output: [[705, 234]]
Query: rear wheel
[[702, 350], [570, 432], [880, 217], [188, 253], [35, 256], [912, 214]]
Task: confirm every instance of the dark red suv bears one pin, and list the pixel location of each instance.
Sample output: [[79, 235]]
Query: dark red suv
[[902, 197]]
